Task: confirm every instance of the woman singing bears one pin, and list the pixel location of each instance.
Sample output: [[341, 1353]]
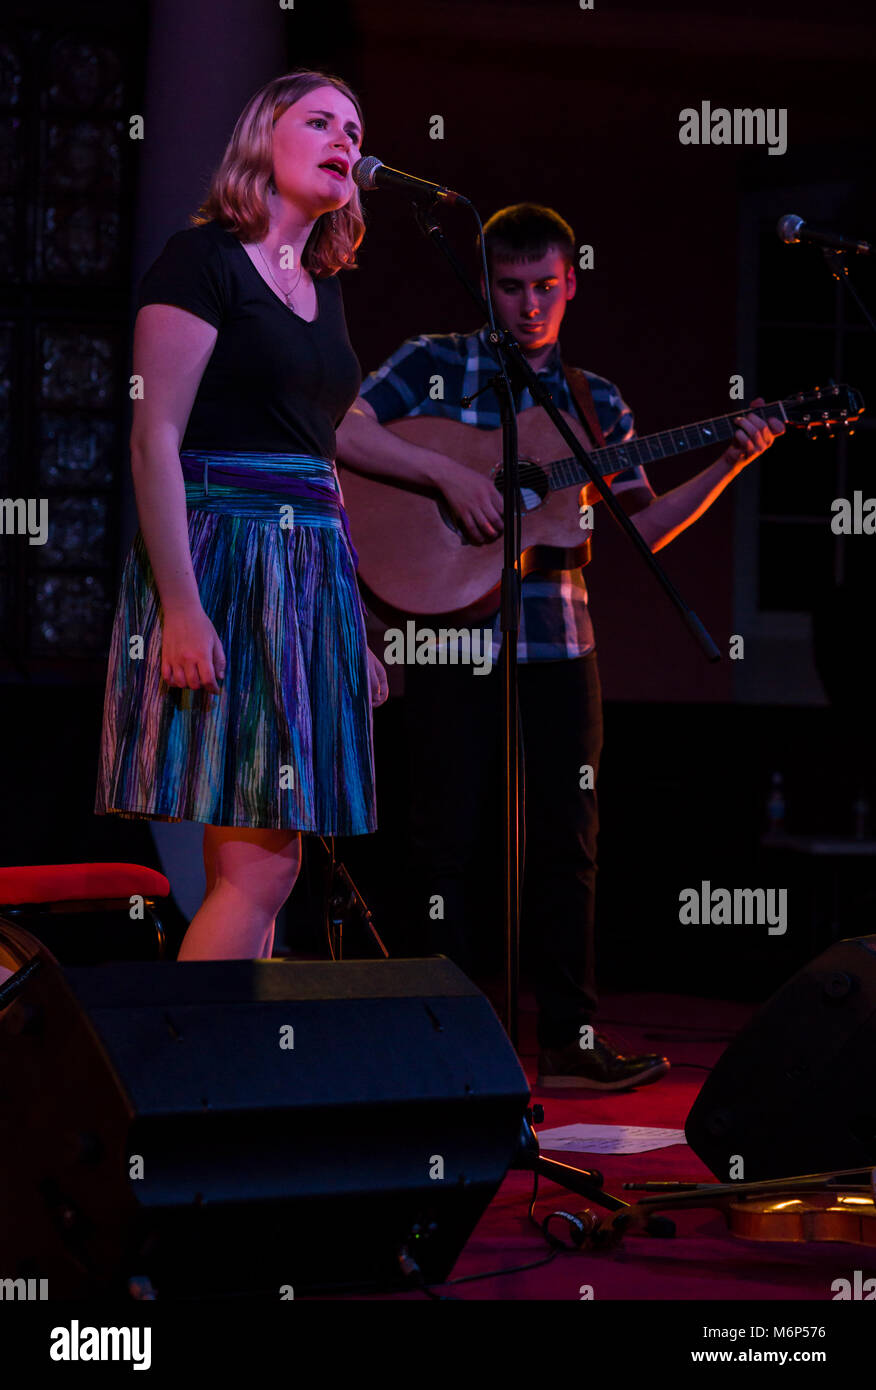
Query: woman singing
[[240, 688]]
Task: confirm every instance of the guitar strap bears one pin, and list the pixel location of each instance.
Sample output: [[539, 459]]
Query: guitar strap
[[585, 409]]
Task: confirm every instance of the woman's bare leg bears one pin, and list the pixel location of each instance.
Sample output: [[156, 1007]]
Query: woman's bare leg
[[209, 851], [250, 874]]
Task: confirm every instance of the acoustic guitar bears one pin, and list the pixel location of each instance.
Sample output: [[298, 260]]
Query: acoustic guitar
[[414, 558]]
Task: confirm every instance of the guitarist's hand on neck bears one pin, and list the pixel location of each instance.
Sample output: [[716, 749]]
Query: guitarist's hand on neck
[[660, 519], [753, 436]]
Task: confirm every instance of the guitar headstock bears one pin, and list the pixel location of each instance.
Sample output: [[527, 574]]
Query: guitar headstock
[[824, 407]]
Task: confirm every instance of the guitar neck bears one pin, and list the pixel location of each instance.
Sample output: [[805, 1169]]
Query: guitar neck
[[614, 458]]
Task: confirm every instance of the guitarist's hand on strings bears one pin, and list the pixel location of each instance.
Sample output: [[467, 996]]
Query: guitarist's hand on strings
[[474, 500], [753, 436]]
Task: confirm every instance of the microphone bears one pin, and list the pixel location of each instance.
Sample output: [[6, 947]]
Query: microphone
[[792, 228], [373, 173]]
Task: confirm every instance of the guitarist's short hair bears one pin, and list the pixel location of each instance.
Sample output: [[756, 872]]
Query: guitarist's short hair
[[525, 232]]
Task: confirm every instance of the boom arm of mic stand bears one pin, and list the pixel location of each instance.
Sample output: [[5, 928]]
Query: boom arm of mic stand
[[508, 345]]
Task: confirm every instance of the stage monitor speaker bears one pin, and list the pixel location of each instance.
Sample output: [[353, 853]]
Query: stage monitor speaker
[[795, 1092], [246, 1127]]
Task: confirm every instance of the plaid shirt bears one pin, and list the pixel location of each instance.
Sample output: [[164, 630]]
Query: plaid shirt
[[555, 617]]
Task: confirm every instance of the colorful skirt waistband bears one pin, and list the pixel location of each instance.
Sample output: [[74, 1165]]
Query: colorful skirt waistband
[[290, 489]]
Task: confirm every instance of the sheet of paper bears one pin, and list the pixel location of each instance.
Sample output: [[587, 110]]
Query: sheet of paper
[[608, 1139]]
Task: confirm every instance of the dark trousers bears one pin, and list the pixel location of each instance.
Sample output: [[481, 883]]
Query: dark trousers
[[454, 732]]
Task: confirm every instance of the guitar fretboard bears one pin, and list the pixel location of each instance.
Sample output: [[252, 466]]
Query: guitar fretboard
[[614, 458]]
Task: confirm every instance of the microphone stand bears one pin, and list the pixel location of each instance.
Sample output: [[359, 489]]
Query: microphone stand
[[508, 354], [341, 897], [835, 262]]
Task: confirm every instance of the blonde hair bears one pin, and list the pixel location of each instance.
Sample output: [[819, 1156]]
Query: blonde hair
[[237, 194]]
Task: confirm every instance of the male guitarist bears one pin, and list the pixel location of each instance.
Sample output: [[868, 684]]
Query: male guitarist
[[454, 721]]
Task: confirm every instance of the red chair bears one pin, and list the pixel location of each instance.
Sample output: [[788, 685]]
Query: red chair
[[35, 893]]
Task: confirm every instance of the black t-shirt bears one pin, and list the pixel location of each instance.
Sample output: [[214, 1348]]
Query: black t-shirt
[[274, 382]]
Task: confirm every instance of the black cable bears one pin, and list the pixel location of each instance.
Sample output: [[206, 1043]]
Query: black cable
[[512, 1269], [429, 1290], [579, 1240], [412, 1272]]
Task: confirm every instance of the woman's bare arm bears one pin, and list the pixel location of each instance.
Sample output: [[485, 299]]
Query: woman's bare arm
[[171, 350]]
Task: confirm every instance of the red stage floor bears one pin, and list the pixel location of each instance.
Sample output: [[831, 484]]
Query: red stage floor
[[702, 1261]]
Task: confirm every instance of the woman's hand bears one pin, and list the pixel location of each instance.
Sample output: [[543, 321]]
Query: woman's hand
[[377, 680], [191, 653], [474, 500]]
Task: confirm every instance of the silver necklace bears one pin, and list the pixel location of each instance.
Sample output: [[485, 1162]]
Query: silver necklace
[[287, 294]]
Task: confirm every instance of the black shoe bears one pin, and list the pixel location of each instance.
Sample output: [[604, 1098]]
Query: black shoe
[[597, 1068]]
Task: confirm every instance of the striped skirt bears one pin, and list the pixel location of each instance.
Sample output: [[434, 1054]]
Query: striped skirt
[[288, 742]]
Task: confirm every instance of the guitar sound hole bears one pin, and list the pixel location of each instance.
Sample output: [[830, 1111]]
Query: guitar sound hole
[[532, 482], [533, 491]]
